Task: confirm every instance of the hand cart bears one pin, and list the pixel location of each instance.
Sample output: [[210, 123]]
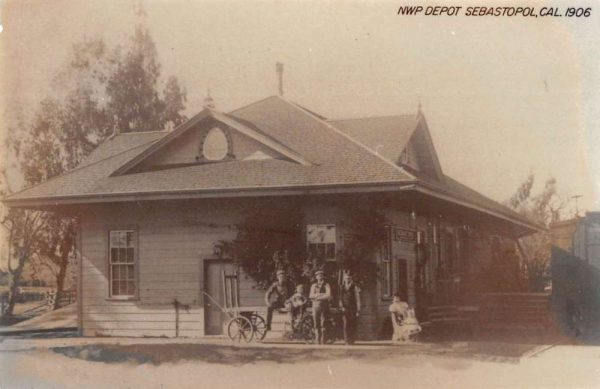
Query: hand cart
[[245, 323]]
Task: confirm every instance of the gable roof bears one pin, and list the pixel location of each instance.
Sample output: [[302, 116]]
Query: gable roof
[[322, 154], [385, 135], [258, 136], [388, 136]]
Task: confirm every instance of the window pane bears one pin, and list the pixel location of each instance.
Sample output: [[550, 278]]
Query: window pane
[[114, 238], [130, 238], [115, 288], [122, 254], [130, 288], [130, 252], [114, 255], [130, 273], [320, 249], [116, 274], [123, 287], [330, 250]]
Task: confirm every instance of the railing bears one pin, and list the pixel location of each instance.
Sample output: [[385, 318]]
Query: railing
[[3, 303], [65, 297]]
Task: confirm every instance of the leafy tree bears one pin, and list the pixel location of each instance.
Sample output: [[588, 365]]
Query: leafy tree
[[544, 208], [97, 94], [132, 89]]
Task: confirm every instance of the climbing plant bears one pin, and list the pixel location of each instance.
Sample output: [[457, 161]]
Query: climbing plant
[[271, 236], [366, 233]]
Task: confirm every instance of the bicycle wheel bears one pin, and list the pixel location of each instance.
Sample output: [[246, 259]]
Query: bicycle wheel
[[240, 329], [259, 326], [307, 328]]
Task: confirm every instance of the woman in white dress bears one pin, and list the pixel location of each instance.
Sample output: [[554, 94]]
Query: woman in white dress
[[404, 320]]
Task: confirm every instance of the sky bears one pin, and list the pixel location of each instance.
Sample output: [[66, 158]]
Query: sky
[[503, 97]]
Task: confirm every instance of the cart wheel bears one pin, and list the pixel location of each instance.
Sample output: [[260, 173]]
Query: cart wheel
[[259, 326], [307, 327], [240, 329]]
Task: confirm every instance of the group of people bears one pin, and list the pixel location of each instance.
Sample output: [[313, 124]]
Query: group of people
[[279, 296]]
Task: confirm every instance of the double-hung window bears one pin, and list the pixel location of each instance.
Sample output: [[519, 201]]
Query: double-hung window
[[321, 239], [122, 262]]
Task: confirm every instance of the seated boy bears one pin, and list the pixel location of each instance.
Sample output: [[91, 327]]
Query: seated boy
[[404, 320], [296, 305]]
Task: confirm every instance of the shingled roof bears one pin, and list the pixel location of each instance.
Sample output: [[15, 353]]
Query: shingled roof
[[357, 153]]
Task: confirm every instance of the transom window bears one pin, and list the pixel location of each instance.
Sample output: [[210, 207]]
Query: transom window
[[122, 263], [321, 239]]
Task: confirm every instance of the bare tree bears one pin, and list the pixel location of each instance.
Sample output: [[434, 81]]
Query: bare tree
[[544, 208], [22, 228]]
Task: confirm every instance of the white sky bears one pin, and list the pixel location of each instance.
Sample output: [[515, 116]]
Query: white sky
[[503, 96]]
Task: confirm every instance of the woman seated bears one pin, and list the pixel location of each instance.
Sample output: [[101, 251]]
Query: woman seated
[[404, 320]]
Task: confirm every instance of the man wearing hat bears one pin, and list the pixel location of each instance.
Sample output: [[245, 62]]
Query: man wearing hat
[[350, 305], [277, 295], [320, 294]]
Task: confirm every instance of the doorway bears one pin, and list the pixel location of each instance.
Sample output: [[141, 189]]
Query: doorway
[[220, 279]]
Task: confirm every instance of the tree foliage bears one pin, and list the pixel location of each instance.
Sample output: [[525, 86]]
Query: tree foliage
[[98, 93], [543, 208]]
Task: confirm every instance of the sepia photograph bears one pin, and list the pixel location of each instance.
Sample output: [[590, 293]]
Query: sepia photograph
[[299, 194]]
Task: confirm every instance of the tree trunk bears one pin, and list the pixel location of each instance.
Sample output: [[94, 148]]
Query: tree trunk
[[60, 279], [13, 290]]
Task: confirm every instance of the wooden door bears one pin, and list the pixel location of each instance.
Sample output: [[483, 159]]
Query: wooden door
[[215, 274], [402, 276]]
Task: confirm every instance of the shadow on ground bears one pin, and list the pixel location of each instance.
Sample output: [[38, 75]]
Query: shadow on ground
[[223, 354]]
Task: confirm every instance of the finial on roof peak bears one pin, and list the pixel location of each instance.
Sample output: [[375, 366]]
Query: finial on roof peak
[[419, 112], [208, 100]]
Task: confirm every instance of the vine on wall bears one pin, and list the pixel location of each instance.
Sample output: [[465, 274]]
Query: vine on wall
[[272, 237]]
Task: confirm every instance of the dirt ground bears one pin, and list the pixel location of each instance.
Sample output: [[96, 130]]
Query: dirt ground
[[159, 364]]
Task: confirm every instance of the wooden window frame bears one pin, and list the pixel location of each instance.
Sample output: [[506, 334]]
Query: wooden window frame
[[387, 268], [135, 264], [335, 245]]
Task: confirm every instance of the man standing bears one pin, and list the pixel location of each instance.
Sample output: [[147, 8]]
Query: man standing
[[320, 294], [276, 296], [350, 305]]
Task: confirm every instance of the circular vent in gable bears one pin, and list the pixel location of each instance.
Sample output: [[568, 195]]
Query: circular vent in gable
[[215, 146]]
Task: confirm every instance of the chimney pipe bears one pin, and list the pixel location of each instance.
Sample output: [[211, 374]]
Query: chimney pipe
[[279, 70]]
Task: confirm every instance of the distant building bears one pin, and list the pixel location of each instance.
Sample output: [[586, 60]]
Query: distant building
[[561, 233], [579, 236]]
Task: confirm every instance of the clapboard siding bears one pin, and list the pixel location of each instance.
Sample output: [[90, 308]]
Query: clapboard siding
[[172, 242]]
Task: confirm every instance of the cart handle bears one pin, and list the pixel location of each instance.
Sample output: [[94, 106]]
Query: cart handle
[[217, 304]]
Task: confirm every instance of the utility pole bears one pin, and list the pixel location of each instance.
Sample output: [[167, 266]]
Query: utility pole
[[576, 197]]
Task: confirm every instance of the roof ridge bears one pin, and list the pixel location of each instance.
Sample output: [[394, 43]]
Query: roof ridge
[[373, 117], [78, 168], [142, 132], [344, 135], [249, 104]]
